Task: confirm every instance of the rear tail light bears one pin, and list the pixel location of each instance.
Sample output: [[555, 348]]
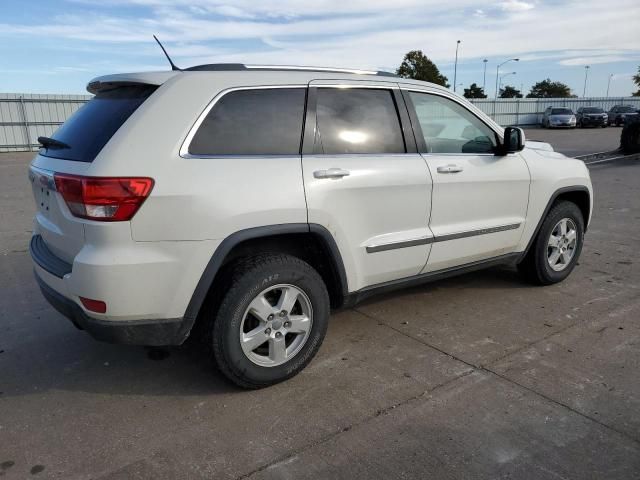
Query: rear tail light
[[97, 306], [105, 199]]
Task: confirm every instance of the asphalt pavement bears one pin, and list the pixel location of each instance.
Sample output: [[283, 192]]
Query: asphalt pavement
[[577, 141], [479, 376]]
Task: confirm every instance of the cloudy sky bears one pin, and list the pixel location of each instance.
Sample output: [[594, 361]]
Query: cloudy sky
[[58, 45]]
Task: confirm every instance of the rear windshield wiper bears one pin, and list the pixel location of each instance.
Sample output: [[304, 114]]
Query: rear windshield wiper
[[48, 142]]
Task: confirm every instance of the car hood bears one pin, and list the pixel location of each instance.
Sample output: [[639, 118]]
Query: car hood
[[535, 145]]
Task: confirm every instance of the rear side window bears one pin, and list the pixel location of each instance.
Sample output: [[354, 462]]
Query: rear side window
[[92, 126], [357, 120], [253, 122]]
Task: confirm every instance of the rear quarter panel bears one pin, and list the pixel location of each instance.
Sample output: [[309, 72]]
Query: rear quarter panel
[[198, 198]]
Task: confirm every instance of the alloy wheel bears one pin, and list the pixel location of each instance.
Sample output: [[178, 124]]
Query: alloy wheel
[[562, 243], [276, 325]]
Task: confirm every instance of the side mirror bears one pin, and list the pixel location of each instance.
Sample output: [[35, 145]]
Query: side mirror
[[513, 141]]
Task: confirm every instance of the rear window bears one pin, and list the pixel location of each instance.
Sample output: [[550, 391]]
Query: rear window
[[265, 121], [561, 111], [88, 130]]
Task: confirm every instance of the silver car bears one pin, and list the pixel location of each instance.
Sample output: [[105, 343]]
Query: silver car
[[558, 117]]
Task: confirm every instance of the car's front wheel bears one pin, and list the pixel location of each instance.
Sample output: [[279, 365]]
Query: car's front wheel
[[556, 248], [271, 321]]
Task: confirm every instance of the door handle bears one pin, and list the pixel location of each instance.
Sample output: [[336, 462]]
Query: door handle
[[331, 173], [449, 168]]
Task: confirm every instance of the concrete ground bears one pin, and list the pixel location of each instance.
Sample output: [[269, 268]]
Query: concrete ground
[[480, 376], [577, 141]]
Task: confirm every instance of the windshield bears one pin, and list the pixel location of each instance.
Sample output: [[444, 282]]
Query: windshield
[[87, 131], [626, 110], [561, 111], [593, 110]]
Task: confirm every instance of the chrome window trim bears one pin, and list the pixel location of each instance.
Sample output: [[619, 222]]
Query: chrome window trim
[[186, 143], [382, 86], [440, 238]]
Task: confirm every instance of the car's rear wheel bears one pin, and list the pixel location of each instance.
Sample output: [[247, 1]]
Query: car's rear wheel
[[556, 248], [271, 321]]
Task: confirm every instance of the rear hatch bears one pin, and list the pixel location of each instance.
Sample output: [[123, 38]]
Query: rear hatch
[[75, 145]]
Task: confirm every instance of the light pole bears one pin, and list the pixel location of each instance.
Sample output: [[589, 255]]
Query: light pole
[[455, 67], [497, 74], [609, 84], [586, 74], [505, 75], [484, 77]]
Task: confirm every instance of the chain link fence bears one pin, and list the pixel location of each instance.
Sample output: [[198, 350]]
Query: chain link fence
[[25, 117]]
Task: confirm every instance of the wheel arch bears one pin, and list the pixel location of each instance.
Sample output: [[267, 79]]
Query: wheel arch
[[311, 242], [578, 194]]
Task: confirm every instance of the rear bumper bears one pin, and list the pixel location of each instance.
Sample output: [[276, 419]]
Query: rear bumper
[[135, 332], [51, 273]]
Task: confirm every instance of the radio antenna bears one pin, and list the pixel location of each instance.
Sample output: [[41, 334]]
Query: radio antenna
[[173, 65]]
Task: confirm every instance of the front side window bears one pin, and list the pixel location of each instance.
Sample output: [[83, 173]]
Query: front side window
[[253, 122], [448, 127], [357, 120]]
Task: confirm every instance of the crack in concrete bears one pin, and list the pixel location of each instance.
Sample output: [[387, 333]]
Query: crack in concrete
[[329, 437], [507, 379]]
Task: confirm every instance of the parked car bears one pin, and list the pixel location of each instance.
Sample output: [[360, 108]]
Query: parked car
[[242, 205], [591, 117], [558, 117], [619, 113]]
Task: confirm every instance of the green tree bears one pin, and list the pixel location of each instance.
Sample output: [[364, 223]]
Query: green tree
[[417, 66], [548, 89], [510, 92], [636, 80], [474, 91]]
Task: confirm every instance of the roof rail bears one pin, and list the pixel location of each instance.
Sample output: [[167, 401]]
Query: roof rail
[[230, 67]]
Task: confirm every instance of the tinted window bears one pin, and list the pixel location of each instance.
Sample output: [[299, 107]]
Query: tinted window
[[626, 110], [448, 127], [593, 110], [561, 111], [253, 122], [357, 120], [88, 130]]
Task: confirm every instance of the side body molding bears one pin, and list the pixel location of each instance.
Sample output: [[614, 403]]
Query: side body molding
[[218, 258]]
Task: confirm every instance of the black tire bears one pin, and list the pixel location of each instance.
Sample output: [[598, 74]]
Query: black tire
[[248, 279], [535, 266]]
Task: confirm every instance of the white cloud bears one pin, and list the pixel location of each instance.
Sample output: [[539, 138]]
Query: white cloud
[[358, 33], [515, 6], [593, 60]]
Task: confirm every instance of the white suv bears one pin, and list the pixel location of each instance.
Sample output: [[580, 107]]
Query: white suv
[[249, 201]]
